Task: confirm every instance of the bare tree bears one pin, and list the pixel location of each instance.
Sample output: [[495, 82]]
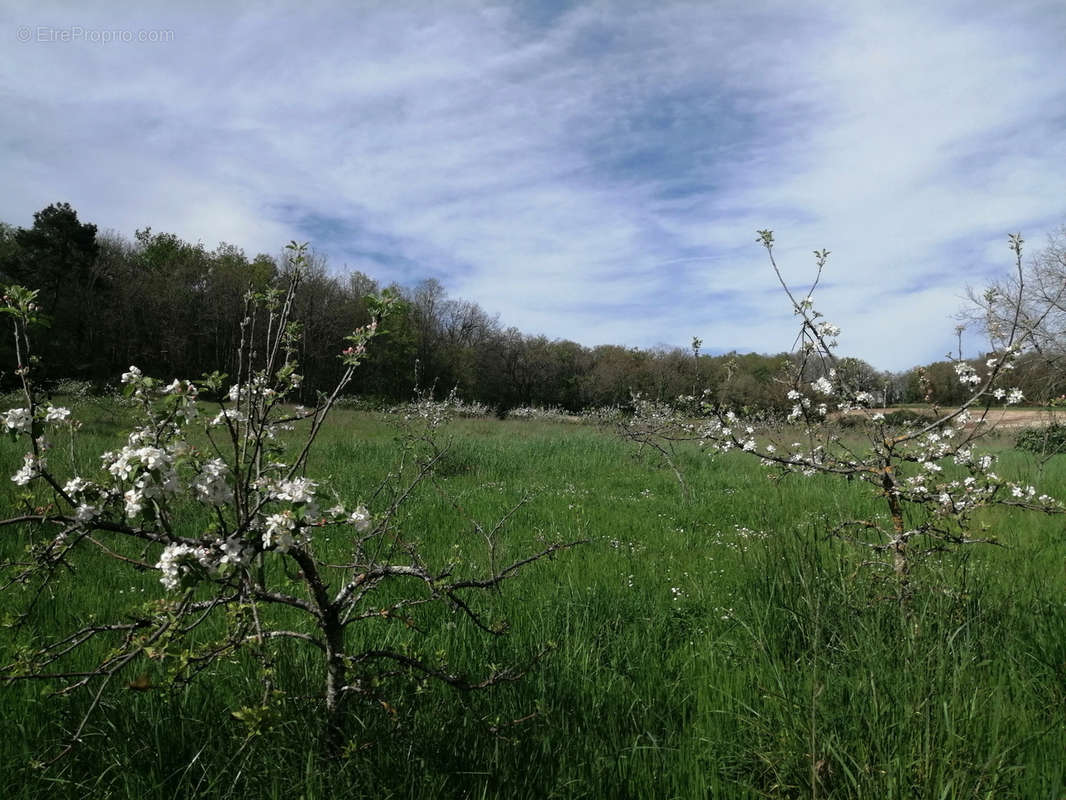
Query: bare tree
[[1035, 296]]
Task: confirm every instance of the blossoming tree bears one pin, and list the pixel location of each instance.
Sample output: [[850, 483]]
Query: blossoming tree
[[932, 480], [220, 506]]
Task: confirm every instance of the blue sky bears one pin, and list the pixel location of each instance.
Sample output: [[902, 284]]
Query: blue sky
[[590, 171]]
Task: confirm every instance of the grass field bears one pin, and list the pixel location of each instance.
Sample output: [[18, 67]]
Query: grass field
[[715, 647]]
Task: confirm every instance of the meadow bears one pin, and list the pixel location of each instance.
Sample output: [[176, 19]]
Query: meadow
[[717, 645]]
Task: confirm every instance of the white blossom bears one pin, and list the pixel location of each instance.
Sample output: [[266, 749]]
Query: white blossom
[[19, 420], [822, 385], [134, 502], [85, 512], [76, 485], [277, 532], [56, 414], [297, 490], [211, 486], [31, 468], [360, 518], [171, 564]]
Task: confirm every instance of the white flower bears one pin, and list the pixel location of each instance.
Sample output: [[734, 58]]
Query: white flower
[[1015, 396], [85, 512], [132, 375], [231, 414], [152, 457], [181, 387], [19, 420], [360, 518], [76, 485], [278, 531], [823, 385], [171, 564], [56, 414], [298, 490], [233, 552], [134, 502], [31, 468], [211, 486]]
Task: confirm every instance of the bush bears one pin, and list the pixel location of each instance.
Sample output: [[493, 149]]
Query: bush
[[908, 416], [1043, 441]]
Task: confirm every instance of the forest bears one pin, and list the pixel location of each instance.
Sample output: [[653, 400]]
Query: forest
[[173, 307]]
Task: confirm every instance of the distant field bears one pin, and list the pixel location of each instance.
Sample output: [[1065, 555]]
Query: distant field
[[998, 417], [717, 647]]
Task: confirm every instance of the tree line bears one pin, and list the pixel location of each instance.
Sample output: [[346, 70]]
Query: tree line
[[175, 308]]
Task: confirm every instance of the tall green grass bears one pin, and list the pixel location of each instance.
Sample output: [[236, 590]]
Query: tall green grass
[[715, 647]]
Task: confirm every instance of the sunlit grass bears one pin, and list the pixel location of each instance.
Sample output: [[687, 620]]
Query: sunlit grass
[[715, 647]]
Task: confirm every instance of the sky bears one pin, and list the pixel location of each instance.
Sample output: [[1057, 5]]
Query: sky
[[588, 171]]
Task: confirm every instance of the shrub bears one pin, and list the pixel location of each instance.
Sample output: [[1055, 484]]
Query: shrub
[[1048, 440]]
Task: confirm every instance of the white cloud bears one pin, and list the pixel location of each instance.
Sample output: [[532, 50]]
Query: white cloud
[[567, 174]]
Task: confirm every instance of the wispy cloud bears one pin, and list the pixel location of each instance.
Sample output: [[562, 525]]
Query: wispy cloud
[[591, 171]]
